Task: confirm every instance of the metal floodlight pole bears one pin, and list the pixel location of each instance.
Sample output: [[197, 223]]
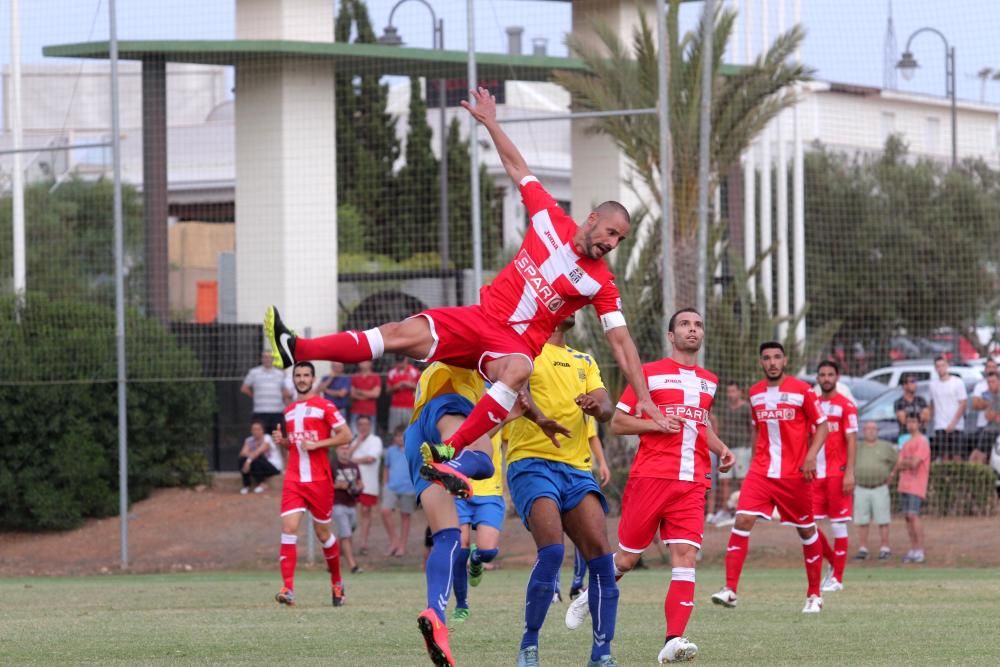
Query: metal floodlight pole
[[666, 180], [116, 153], [907, 64], [477, 222], [704, 141], [17, 178]]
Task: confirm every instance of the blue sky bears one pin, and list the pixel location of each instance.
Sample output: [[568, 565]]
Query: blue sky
[[845, 37]]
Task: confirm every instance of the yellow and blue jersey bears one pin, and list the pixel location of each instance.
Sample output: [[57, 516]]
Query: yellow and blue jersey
[[560, 375], [439, 379]]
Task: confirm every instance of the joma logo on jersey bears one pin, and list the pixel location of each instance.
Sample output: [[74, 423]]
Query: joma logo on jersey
[[563, 364], [688, 412], [782, 414], [544, 291]]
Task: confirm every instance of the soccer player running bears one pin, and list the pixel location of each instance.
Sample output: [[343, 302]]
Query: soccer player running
[[833, 492], [669, 477], [313, 425], [554, 491], [784, 409], [445, 396], [558, 269], [483, 512]]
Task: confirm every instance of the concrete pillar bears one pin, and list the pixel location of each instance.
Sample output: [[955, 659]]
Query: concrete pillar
[[600, 170], [286, 188], [154, 186]]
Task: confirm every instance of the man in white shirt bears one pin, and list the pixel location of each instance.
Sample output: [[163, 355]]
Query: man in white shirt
[[265, 384], [366, 451], [948, 401]]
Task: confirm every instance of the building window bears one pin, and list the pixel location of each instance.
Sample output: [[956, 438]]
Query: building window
[[933, 138]]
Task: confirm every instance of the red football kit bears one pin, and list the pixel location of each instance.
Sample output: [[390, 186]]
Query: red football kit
[[402, 398], [666, 484], [308, 481], [829, 501], [546, 282], [785, 416]]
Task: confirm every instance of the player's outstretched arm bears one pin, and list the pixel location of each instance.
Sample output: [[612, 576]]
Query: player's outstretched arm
[[627, 356], [625, 424], [485, 112]]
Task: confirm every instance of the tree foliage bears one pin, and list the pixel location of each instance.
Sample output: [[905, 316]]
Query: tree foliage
[[460, 206], [897, 242]]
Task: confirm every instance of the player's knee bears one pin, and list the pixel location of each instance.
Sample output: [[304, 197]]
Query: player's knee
[[513, 370], [744, 522]]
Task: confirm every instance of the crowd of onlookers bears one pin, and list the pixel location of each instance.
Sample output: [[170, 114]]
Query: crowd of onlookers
[[369, 476]]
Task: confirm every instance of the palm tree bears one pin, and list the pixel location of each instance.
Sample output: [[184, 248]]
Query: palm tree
[[744, 101]]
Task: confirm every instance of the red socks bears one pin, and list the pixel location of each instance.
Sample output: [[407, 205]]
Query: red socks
[[827, 549], [331, 552], [288, 555], [680, 600], [348, 347], [812, 554], [839, 557], [489, 413], [736, 554]]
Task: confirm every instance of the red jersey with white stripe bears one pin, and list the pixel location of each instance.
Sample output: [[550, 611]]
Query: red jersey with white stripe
[[685, 392], [785, 416], [841, 419], [311, 419], [547, 281]]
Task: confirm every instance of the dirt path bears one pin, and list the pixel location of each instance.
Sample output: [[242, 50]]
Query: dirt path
[[213, 529]]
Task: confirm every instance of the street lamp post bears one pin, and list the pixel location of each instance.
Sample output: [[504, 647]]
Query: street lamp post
[[907, 65], [391, 38]]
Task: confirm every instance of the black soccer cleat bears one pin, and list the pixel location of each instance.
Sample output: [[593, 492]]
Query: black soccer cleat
[[280, 338], [452, 480]]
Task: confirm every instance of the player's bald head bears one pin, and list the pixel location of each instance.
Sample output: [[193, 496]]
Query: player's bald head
[[612, 208]]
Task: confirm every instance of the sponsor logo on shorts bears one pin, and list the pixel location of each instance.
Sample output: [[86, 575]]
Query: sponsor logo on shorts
[[779, 414], [544, 292], [803, 517]]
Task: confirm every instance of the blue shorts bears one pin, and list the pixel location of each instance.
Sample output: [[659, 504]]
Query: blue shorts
[[425, 430], [531, 479], [910, 503], [481, 510]]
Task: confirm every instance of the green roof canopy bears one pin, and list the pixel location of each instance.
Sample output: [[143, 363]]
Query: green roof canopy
[[392, 60]]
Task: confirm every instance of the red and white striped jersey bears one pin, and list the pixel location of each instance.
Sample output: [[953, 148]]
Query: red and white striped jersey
[[313, 418], [841, 419], [547, 281], [785, 416], [685, 392]]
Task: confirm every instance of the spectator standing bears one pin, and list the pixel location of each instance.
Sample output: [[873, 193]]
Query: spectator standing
[[948, 401], [336, 388], [914, 467], [983, 396], [401, 383], [366, 452], [347, 486], [910, 404], [366, 387], [736, 430], [255, 460], [873, 468], [397, 494], [265, 384]]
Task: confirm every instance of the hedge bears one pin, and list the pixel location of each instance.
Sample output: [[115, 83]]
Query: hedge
[[58, 407]]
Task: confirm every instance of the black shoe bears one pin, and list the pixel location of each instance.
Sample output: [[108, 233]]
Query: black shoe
[[861, 555], [280, 338]]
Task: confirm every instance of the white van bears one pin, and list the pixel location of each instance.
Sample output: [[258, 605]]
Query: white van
[[890, 376]]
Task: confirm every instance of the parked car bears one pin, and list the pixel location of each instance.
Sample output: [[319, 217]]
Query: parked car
[[890, 376], [882, 410], [959, 348], [861, 390]]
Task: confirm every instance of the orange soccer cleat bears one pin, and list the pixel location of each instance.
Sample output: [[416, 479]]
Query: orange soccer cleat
[[435, 637]]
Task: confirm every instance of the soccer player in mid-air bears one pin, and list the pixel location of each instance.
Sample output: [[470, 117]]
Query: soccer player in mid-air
[[670, 475], [313, 424], [554, 491], [558, 269], [445, 396], [784, 409], [833, 492]]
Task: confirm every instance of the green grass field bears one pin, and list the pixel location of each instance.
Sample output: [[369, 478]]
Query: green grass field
[[890, 616]]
